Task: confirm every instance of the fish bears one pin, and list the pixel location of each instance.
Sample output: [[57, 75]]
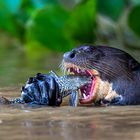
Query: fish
[[50, 89]]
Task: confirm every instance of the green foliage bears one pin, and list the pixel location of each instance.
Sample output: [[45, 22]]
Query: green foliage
[[133, 19], [12, 7], [49, 24], [47, 27], [6, 18], [58, 29], [111, 8], [81, 23], [135, 2]]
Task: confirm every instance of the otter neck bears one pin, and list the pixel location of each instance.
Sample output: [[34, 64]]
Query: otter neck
[[104, 90]]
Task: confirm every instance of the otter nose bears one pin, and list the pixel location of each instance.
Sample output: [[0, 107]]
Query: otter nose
[[69, 55]]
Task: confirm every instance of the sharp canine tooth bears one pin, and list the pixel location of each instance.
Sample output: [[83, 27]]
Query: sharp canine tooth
[[84, 95], [78, 70], [72, 73], [68, 70]]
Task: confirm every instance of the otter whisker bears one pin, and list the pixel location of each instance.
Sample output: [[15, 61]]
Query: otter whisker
[[61, 66], [103, 62], [105, 71], [99, 67], [121, 68]]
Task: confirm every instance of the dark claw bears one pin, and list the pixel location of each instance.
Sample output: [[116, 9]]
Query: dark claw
[[115, 101], [104, 102]]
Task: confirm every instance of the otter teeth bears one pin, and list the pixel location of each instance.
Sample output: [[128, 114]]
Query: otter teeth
[[84, 95], [78, 70], [68, 70]]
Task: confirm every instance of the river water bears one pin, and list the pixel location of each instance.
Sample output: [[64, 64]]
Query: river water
[[22, 122]]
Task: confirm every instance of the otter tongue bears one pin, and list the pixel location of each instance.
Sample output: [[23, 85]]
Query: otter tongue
[[87, 90]]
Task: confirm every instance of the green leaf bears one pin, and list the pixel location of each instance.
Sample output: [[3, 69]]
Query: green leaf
[[133, 19], [6, 19], [42, 3], [47, 27], [81, 24], [10, 6], [111, 8], [27, 8], [135, 2]]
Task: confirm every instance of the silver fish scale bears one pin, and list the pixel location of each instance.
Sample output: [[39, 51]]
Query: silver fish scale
[[71, 82]]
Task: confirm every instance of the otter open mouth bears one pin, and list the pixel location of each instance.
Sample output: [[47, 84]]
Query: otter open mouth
[[86, 92]]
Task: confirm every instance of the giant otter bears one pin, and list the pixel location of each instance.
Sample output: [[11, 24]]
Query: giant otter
[[115, 75]]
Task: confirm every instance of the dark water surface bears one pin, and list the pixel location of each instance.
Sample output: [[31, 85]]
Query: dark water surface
[[21, 122]]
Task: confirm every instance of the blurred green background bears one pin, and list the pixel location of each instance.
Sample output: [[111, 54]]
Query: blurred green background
[[34, 34]]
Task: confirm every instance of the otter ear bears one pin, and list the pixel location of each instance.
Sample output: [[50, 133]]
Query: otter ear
[[133, 65]]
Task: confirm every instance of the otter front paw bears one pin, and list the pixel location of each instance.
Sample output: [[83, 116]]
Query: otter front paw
[[115, 101]]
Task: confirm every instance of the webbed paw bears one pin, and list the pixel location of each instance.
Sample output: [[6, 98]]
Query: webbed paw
[[115, 101]]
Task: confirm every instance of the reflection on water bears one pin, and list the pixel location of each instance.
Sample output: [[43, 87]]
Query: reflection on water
[[64, 123], [67, 123], [16, 65]]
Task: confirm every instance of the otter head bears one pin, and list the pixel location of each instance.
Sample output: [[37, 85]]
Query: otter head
[[105, 65]]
